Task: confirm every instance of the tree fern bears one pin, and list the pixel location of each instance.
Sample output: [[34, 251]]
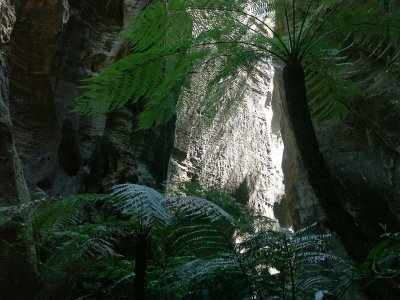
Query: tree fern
[[77, 244], [193, 245], [244, 217], [143, 204], [171, 41], [302, 261]]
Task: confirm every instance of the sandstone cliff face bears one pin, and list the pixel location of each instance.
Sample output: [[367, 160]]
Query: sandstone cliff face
[[241, 154], [51, 45], [13, 189]]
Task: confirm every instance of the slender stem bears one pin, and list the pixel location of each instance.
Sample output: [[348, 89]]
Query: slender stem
[[320, 26], [290, 265], [302, 26], [244, 43], [288, 27], [141, 264], [274, 33], [283, 284], [294, 24], [292, 280]]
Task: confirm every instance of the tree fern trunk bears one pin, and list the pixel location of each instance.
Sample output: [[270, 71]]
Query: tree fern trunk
[[299, 115], [140, 267]]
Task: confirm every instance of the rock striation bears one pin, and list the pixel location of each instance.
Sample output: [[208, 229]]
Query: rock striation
[[51, 46], [241, 153]]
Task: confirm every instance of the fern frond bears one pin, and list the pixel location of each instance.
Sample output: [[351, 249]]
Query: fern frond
[[62, 213], [142, 204], [200, 268], [171, 41], [200, 239], [77, 244], [244, 217], [330, 87], [193, 207]]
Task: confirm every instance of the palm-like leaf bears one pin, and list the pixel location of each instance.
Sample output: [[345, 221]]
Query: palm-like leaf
[[143, 204], [303, 258], [193, 207], [229, 43], [198, 243], [77, 244]]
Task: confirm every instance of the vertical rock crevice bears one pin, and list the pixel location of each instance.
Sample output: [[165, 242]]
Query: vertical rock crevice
[[13, 188], [14, 255], [54, 44], [240, 154]]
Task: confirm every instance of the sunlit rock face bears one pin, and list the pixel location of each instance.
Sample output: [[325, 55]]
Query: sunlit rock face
[[51, 46], [241, 154]]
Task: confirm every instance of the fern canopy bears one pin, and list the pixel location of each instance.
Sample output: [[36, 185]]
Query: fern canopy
[[84, 245], [229, 42]]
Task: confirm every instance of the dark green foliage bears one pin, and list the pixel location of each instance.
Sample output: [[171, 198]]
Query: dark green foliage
[[303, 260], [383, 260], [230, 41], [88, 246]]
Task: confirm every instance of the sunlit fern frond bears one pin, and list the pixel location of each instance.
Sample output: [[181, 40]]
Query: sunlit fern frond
[[170, 42], [142, 204], [305, 256], [192, 207], [200, 239], [190, 279], [201, 227], [202, 268], [244, 217]]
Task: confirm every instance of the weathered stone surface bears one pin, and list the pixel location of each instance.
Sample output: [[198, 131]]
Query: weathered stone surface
[[56, 43], [14, 256], [241, 155], [53, 45], [31, 56], [13, 189], [124, 155]]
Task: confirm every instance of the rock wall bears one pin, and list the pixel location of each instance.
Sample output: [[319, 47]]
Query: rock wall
[[13, 189], [51, 45], [241, 154]]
